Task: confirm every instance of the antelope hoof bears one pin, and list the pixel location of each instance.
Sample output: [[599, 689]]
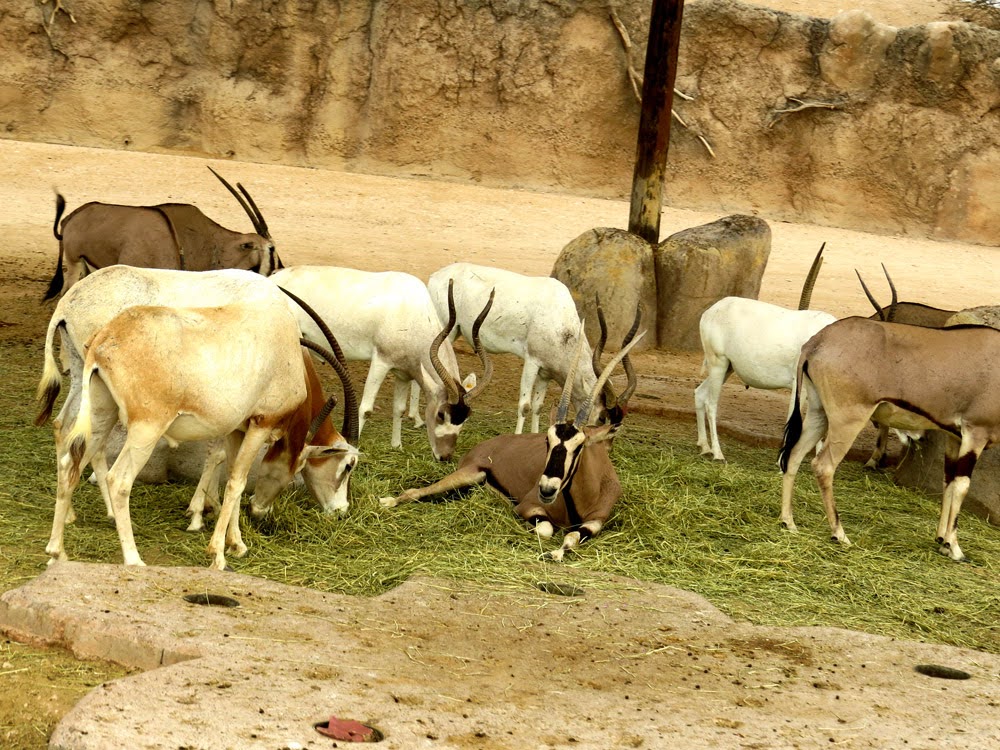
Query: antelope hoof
[[196, 524], [947, 551], [790, 526], [841, 540], [871, 464], [237, 550], [555, 555], [388, 502]]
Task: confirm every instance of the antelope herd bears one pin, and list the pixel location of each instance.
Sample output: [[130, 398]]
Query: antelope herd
[[179, 330]]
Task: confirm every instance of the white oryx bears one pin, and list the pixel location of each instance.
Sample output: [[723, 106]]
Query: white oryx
[[93, 302], [533, 317], [907, 378], [563, 478], [387, 318], [758, 341], [235, 371]]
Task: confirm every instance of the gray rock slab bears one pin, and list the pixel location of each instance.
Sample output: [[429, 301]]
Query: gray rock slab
[[436, 663]]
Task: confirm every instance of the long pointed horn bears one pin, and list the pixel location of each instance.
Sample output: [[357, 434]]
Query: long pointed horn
[[453, 387], [350, 424], [480, 352], [871, 298], [608, 392], [563, 409], [263, 231], [631, 380], [318, 419], [253, 217], [810, 282], [339, 363], [583, 415], [892, 305]]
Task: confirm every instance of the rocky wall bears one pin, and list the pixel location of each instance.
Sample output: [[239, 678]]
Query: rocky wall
[[842, 122]]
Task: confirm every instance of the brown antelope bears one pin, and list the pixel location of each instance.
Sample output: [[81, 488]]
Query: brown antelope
[[169, 235], [911, 314], [563, 478], [903, 376]]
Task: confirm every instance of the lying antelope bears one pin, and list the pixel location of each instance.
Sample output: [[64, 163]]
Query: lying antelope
[[534, 317], [236, 372], [562, 478], [758, 341], [390, 321], [916, 385], [169, 235], [91, 304]]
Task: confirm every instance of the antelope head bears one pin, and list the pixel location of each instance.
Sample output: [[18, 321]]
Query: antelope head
[[445, 417], [268, 262], [565, 440]]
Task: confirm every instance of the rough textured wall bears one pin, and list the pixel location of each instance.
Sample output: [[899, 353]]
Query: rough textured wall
[[534, 93]]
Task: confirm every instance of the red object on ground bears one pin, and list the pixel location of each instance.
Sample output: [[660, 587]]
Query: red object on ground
[[346, 729]]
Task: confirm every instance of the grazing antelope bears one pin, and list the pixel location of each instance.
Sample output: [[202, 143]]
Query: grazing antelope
[[907, 313], [563, 477], [534, 317], [91, 304], [758, 341], [903, 376], [235, 371], [169, 235], [388, 318]]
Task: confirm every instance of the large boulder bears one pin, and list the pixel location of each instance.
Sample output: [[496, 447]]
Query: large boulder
[[922, 466], [697, 267], [618, 266]]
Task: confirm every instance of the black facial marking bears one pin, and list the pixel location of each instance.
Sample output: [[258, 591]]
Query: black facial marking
[[460, 412]]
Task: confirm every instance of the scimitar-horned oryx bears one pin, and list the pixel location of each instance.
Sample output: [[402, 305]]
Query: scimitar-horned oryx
[[90, 305], [903, 376], [758, 341], [236, 372], [563, 477], [391, 321], [169, 235]]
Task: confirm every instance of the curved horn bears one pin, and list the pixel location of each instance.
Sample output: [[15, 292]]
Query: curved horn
[[871, 298], [318, 419], [263, 231], [583, 416], [339, 363], [320, 323], [892, 305], [563, 409], [350, 425], [478, 347], [253, 217], [632, 380], [810, 282], [453, 387], [608, 392]]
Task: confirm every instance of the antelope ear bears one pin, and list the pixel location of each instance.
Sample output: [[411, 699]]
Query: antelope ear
[[602, 433], [470, 381]]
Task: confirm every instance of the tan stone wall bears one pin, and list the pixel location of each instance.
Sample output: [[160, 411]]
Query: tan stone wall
[[534, 94]]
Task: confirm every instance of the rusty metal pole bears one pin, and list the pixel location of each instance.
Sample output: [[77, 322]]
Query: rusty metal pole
[[654, 123]]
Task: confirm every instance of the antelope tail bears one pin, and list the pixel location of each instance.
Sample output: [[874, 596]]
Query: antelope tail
[[56, 285], [79, 435], [51, 382], [793, 428]]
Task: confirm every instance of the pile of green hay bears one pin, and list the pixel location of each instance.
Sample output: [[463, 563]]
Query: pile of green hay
[[683, 521]]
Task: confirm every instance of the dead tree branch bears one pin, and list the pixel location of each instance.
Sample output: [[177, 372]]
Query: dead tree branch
[[57, 6], [636, 79], [802, 104]]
